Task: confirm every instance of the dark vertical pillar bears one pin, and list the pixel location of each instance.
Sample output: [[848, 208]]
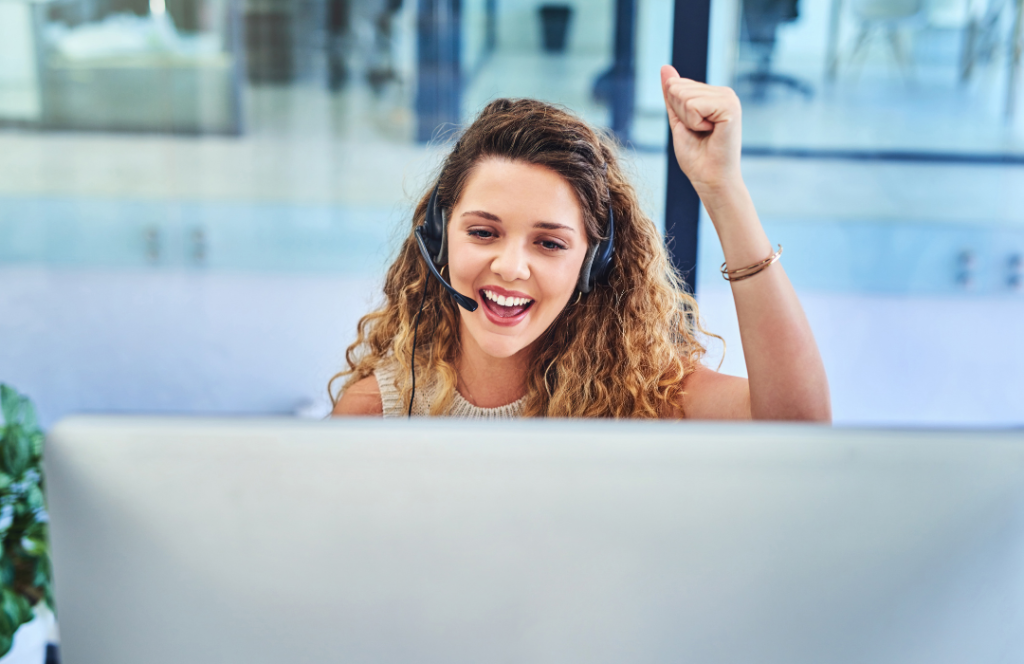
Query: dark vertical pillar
[[439, 84], [236, 45], [624, 69], [682, 205]]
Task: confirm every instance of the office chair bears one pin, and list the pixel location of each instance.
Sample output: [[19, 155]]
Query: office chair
[[761, 21], [888, 16], [982, 38]]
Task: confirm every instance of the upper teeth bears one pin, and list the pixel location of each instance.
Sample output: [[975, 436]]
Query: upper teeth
[[506, 301]]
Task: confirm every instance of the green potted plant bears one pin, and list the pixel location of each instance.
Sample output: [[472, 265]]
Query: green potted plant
[[25, 576]]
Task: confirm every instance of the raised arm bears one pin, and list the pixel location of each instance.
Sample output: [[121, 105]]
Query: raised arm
[[786, 378]]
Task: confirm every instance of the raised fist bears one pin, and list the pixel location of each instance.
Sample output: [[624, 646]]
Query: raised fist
[[706, 130]]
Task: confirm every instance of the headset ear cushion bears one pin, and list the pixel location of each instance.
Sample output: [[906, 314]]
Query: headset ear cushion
[[442, 254], [584, 283], [598, 262], [435, 231]]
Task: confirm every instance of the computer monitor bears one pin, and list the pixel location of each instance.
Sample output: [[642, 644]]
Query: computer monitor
[[270, 541]]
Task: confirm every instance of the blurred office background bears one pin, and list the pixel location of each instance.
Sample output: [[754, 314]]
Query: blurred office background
[[198, 198]]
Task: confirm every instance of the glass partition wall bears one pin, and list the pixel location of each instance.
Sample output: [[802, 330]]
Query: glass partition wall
[[198, 197], [884, 147]]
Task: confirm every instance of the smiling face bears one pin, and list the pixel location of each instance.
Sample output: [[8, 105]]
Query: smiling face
[[516, 243]]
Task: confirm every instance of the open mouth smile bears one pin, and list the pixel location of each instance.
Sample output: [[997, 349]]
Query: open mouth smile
[[503, 309]]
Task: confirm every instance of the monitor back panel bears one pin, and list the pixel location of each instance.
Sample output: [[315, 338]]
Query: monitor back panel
[[182, 540]]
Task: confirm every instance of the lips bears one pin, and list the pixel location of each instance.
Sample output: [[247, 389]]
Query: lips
[[510, 312]]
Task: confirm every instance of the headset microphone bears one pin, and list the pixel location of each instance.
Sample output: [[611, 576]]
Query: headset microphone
[[467, 303]]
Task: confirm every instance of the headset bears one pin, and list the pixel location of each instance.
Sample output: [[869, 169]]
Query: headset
[[432, 239]]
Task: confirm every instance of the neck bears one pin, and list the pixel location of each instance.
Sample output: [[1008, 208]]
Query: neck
[[490, 382]]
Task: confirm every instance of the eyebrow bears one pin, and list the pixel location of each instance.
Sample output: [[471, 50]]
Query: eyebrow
[[551, 226], [546, 225]]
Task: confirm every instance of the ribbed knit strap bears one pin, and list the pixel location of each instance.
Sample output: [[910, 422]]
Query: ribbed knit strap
[[387, 373], [391, 400]]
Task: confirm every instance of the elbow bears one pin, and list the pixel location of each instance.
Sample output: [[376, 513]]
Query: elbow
[[817, 409], [818, 414], [810, 413], [814, 408], [813, 403]]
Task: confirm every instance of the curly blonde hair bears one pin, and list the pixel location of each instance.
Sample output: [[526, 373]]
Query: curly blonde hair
[[622, 351]]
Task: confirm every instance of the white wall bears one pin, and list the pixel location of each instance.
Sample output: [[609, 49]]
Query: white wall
[[903, 361], [186, 342], [165, 341]]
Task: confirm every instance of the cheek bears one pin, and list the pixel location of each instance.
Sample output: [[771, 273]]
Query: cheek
[[463, 265], [563, 278]]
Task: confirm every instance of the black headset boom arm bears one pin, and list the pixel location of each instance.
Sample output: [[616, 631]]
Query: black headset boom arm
[[466, 303]]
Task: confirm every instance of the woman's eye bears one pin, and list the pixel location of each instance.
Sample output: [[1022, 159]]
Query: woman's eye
[[482, 234], [551, 245]]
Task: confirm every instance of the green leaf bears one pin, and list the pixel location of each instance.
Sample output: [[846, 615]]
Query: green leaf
[[34, 546], [6, 570], [16, 608], [37, 440], [36, 529], [21, 511], [24, 548], [7, 624], [6, 641], [17, 410], [43, 574], [17, 451], [6, 443], [28, 416], [14, 406], [34, 498], [9, 400]]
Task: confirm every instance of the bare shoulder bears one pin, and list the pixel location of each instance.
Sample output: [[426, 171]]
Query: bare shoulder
[[362, 398], [709, 395]]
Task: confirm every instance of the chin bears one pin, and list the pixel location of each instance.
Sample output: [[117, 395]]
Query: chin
[[500, 346]]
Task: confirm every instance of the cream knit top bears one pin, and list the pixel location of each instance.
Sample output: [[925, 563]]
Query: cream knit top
[[387, 373]]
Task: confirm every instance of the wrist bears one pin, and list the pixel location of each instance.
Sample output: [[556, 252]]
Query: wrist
[[721, 194], [731, 210]]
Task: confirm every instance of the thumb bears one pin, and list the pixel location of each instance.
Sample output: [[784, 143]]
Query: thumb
[[668, 73]]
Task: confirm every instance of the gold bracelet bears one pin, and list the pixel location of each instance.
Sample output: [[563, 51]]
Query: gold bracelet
[[746, 272]]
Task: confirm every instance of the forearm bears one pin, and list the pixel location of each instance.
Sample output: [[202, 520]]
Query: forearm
[[786, 376]]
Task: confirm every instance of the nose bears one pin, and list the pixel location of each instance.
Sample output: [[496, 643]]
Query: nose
[[511, 262]]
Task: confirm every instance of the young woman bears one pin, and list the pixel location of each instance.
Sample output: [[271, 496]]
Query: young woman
[[569, 304]]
